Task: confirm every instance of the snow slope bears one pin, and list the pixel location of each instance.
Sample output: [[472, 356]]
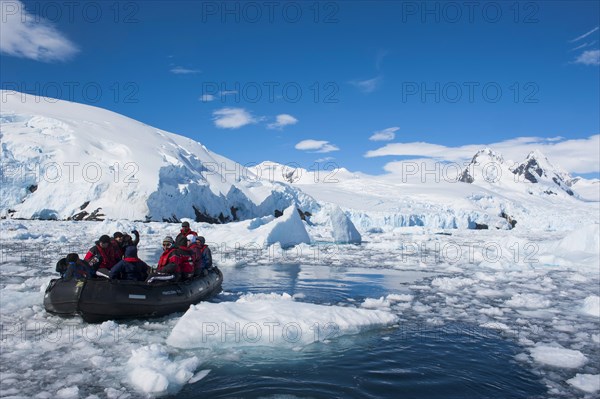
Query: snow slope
[[588, 189], [65, 160], [486, 191], [60, 159]]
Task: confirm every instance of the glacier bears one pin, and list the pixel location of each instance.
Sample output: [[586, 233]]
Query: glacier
[[62, 160]]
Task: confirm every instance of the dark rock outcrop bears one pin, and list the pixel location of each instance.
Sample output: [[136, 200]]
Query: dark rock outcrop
[[202, 217], [303, 215], [233, 211], [509, 219]]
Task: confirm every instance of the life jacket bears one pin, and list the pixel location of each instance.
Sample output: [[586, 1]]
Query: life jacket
[[108, 256], [117, 248], [198, 255], [185, 234], [185, 257], [164, 258], [181, 257]]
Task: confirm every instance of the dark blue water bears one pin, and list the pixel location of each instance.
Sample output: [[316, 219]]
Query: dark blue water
[[411, 360]]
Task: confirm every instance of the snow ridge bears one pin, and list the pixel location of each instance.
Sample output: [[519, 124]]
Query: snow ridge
[[64, 160]]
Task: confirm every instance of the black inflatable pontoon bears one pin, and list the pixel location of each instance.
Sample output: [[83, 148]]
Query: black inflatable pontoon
[[99, 299]]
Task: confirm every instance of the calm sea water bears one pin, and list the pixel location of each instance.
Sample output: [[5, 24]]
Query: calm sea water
[[412, 360]]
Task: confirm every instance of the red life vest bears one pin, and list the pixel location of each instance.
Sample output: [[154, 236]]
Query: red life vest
[[108, 255], [181, 257], [186, 259], [164, 258], [198, 250]]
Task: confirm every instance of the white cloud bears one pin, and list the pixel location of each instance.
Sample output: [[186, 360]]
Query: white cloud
[[207, 98], [27, 36], [585, 34], [575, 155], [316, 146], [590, 57], [232, 118], [388, 134], [178, 70], [324, 159], [586, 44], [282, 120], [367, 86]]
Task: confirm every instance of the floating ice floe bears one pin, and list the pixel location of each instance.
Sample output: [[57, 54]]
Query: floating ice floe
[[270, 320], [558, 356], [591, 305], [152, 371], [589, 383]]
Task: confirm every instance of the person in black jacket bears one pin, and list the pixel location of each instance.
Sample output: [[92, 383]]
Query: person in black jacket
[[77, 269], [202, 255], [184, 232], [130, 267]]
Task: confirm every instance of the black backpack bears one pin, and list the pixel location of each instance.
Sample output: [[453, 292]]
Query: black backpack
[[61, 266]]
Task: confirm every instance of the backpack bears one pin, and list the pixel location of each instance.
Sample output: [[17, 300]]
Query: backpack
[[61, 266]]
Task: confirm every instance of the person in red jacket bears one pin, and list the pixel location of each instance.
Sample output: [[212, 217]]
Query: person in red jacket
[[186, 256], [102, 255], [121, 241], [185, 231], [175, 263], [168, 248], [116, 243], [202, 255]]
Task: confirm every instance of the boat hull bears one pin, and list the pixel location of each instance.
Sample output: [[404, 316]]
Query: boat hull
[[98, 300]]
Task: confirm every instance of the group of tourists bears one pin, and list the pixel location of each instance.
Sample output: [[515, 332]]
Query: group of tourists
[[185, 257]]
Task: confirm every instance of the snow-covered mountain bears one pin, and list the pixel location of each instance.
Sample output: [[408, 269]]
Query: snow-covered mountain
[[537, 169], [292, 173], [490, 192], [62, 160], [535, 175], [66, 160], [588, 189]]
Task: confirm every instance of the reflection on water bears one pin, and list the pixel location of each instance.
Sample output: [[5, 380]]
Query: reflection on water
[[412, 359], [320, 284]]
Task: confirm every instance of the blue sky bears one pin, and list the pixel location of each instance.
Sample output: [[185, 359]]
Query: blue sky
[[361, 84]]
